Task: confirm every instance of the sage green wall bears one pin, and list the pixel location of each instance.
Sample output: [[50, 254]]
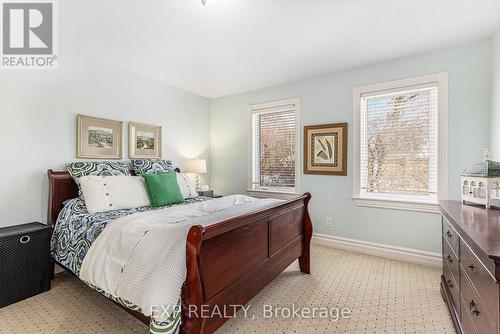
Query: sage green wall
[[328, 99], [495, 96], [38, 111]]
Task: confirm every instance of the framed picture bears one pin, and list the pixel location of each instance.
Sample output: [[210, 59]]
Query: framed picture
[[144, 141], [98, 138], [325, 149]]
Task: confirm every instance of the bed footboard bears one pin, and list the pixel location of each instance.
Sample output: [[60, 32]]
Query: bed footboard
[[228, 263]]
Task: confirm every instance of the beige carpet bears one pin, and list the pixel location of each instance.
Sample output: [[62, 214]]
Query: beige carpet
[[384, 296]]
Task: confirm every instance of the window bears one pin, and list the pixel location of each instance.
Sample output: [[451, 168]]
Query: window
[[274, 146], [400, 132]]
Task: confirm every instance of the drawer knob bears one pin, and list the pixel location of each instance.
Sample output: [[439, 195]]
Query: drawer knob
[[448, 233], [472, 267], [473, 308], [450, 284], [449, 258]]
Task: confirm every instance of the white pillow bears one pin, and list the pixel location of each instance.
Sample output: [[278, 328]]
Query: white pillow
[[188, 190], [106, 193]]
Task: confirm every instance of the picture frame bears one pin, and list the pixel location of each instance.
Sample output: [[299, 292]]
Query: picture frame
[[98, 138], [145, 141], [325, 149]]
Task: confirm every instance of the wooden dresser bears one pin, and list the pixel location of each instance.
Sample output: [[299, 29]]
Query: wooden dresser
[[471, 266]]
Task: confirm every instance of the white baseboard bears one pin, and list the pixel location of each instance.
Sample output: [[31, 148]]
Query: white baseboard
[[391, 252]]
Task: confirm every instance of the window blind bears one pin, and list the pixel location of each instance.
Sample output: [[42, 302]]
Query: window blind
[[274, 132], [399, 141]]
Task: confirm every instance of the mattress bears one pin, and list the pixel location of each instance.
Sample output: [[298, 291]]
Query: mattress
[[98, 247]]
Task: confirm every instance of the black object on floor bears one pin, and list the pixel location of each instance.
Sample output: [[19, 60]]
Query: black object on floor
[[25, 264]]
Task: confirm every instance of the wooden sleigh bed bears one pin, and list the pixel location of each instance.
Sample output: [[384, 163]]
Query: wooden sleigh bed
[[229, 262]]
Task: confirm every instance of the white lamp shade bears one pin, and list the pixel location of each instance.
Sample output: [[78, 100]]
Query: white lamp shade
[[198, 166]]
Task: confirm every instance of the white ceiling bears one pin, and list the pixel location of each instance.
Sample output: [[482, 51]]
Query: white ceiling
[[232, 46]]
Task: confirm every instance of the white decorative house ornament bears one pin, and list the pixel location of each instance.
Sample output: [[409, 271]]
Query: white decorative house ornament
[[481, 183]]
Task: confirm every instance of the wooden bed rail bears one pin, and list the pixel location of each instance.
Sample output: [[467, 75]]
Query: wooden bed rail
[[228, 263]]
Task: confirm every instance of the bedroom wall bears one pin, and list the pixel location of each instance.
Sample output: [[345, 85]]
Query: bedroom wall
[[495, 96], [38, 118], [328, 99]]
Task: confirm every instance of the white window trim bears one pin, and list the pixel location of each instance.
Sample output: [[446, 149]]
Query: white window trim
[[272, 194], [255, 108], [442, 146]]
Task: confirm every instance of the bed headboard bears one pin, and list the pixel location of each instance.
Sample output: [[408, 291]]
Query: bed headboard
[[61, 188]]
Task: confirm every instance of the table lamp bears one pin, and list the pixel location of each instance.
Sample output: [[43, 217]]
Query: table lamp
[[196, 166]]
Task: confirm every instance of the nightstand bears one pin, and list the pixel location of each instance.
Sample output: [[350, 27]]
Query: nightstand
[[24, 262], [208, 193]]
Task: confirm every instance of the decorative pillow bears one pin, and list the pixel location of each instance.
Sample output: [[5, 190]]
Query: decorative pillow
[[97, 168], [188, 190], [107, 193], [147, 166], [163, 189]]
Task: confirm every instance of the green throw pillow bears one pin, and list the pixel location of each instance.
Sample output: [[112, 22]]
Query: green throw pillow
[[163, 189]]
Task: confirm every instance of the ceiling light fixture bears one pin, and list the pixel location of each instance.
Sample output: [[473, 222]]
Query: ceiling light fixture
[[205, 2]]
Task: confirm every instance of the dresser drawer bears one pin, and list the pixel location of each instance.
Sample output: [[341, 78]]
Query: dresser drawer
[[474, 307], [450, 260], [467, 323], [452, 284], [451, 236], [485, 285]]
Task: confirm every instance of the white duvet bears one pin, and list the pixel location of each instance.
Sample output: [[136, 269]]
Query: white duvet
[[141, 258]]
